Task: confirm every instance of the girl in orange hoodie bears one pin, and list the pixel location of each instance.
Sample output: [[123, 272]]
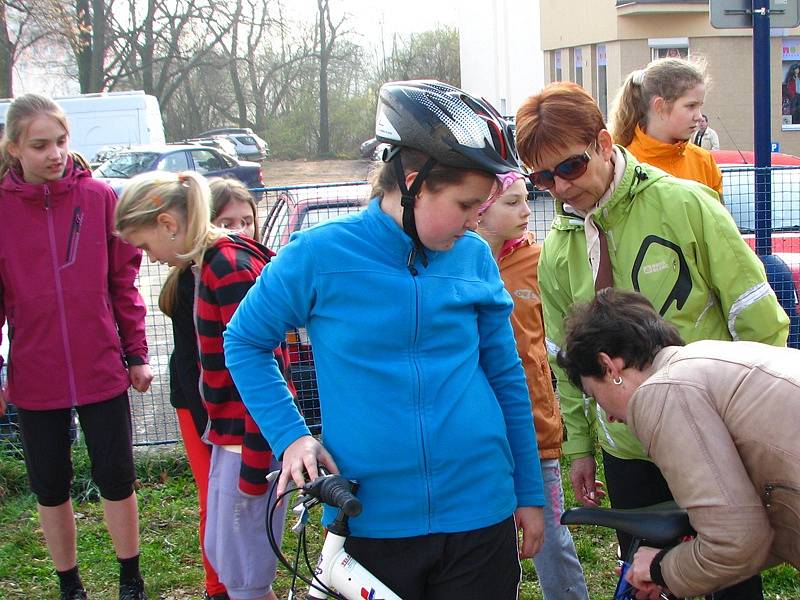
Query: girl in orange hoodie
[[503, 223], [655, 114]]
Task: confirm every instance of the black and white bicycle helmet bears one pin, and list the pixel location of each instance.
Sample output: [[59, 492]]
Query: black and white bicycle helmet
[[454, 128], [450, 126]]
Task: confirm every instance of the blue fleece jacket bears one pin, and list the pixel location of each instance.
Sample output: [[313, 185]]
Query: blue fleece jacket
[[423, 396]]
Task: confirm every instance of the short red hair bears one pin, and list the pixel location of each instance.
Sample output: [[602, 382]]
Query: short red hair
[[562, 114]]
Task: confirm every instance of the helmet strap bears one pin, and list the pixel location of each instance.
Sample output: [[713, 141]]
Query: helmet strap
[[408, 197]]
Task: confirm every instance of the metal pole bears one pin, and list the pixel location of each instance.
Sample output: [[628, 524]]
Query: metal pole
[[762, 126]]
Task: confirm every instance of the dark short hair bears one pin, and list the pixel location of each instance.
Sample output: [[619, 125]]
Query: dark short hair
[[622, 324]]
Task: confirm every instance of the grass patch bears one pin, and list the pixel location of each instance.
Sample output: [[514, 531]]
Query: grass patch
[[170, 548]]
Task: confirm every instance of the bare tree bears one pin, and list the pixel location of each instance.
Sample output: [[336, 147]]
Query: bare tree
[[18, 32], [328, 33]]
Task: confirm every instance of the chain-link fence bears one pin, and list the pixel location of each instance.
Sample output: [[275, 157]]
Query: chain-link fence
[[288, 209]]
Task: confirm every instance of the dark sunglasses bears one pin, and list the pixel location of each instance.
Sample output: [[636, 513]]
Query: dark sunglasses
[[570, 168]]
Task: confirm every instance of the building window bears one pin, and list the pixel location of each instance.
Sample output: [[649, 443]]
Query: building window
[[557, 61], [602, 81], [790, 89], [579, 66], [668, 48]]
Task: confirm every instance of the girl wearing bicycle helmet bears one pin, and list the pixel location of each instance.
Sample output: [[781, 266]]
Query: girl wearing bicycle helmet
[[423, 395]]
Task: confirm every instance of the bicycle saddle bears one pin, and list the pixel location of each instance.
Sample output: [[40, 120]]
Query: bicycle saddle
[[660, 524]]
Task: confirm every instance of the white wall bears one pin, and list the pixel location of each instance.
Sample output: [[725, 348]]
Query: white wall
[[501, 56]]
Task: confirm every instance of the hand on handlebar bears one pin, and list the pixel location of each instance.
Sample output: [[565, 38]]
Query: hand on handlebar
[[639, 574], [582, 474], [300, 459]]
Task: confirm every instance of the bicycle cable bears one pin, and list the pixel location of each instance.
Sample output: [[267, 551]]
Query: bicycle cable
[[301, 541]]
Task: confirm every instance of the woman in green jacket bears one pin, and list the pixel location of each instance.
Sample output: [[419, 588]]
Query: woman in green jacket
[[624, 224]]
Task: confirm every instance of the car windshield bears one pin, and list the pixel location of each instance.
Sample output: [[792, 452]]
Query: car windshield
[[127, 164], [246, 139]]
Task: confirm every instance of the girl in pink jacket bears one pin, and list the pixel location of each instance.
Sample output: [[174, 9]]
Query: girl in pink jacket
[[76, 333]]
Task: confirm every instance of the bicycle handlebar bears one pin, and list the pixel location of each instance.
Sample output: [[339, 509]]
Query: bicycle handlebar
[[337, 491]]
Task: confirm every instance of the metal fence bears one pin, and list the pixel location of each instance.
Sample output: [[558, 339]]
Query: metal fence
[[287, 209]]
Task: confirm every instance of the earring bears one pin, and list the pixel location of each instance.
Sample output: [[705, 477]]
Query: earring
[[617, 380], [172, 236]]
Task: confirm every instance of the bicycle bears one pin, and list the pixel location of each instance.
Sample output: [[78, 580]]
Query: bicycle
[[659, 526], [337, 574]]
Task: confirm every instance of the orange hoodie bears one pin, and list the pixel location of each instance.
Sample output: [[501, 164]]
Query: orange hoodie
[[683, 159], [519, 265]]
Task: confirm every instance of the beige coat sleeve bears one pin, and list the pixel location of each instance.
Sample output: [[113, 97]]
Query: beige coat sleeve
[[685, 436]]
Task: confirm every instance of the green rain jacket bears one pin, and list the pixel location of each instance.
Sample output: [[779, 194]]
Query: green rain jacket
[[673, 241]]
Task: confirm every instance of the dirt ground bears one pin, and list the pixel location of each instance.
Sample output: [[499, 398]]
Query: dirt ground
[[296, 172]]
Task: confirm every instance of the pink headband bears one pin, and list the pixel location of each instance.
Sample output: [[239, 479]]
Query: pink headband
[[506, 180]]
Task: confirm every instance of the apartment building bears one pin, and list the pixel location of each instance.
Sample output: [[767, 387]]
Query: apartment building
[[596, 43]]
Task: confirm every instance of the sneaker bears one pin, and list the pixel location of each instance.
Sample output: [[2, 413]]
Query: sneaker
[[77, 593], [132, 590]]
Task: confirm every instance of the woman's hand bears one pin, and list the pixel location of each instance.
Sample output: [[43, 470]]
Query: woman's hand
[[639, 572], [588, 490], [530, 520], [301, 457], [140, 376]]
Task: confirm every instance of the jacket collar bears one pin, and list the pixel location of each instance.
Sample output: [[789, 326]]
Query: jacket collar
[[35, 192], [661, 360], [649, 149], [636, 177]]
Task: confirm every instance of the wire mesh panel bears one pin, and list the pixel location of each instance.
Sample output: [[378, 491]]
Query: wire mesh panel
[[154, 420], [782, 226]]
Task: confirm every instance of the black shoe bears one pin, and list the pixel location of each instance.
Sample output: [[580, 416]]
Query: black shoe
[[132, 590], [221, 596], [77, 593]]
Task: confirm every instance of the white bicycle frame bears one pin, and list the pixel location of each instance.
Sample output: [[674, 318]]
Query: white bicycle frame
[[338, 570]]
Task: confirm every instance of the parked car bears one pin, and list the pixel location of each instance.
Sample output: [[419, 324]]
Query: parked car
[[105, 153], [207, 161], [293, 210], [220, 142], [747, 157], [249, 146]]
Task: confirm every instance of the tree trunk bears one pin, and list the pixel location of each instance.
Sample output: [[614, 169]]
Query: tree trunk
[[98, 47], [6, 57], [83, 45], [324, 142]]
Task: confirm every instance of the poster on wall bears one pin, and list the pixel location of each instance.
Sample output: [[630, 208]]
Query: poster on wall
[[682, 52], [790, 69]]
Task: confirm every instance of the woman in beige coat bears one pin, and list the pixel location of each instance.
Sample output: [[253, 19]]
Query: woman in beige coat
[[720, 421]]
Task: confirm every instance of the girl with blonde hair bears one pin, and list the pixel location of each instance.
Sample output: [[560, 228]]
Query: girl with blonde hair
[[656, 113], [233, 208], [67, 290], [169, 216]]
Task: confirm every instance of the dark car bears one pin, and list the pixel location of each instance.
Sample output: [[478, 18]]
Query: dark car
[[293, 210], [207, 161]]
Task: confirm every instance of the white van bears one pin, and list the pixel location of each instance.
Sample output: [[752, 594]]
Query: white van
[[108, 119]]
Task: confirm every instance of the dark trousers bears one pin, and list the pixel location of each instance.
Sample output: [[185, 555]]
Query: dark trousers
[[107, 430], [639, 483], [473, 565]]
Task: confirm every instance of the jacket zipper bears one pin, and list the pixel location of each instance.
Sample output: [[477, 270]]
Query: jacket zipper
[[420, 420], [74, 236], [60, 298]]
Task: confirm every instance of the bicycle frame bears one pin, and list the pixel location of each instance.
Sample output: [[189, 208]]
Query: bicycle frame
[[338, 570]]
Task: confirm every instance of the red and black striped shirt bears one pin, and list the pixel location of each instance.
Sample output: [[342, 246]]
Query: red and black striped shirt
[[230, 267]]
